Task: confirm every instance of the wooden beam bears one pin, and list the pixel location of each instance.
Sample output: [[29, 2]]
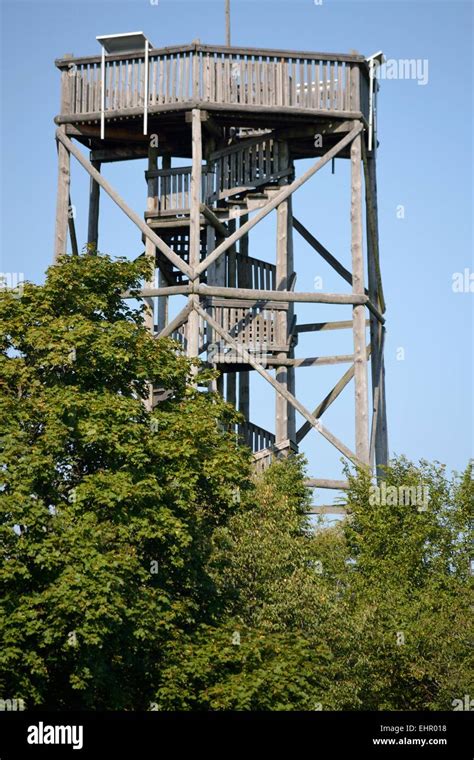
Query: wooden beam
[[120, 153], [72, 230], [278, 295], [323, 326], [169, 290], [232, 110], [372, 223], [142, 226], [287, 191], [244, 281], [309, 361], [212, 219], [309, 130], [284, 412], [179, 320], [336, 485], [93, 219], [358, 318], [376, 386], [62, 200], [328, 400], [195, 227], [227, 23], [323, 252], [379, 438], [327, 509], [197, 47], [248, 359]]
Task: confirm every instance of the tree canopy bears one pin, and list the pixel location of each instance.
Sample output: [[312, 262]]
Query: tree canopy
[[146, 566]]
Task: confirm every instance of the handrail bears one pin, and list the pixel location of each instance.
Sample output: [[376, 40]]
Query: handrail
[[202, 75], [65, 62]]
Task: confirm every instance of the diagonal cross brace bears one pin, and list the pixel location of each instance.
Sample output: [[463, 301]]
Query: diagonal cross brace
[[142, 226], [315, 423], [328, 400], [282, 196]]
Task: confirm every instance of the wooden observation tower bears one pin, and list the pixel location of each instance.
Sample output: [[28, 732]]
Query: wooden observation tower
[[242, 119]]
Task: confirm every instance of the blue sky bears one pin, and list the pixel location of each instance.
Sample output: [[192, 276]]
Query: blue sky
[[424, 165]]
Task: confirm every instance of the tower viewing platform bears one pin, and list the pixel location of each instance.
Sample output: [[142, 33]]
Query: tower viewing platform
[[237, 85]]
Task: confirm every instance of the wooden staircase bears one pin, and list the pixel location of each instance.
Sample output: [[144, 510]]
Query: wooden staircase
[[236, 180]]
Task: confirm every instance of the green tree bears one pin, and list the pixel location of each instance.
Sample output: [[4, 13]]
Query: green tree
[[107, 510], [143, 562], [411, 631], [373, 613], [264, 654]]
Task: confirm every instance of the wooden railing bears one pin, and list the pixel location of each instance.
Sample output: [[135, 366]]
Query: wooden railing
[[231, 171], [173, 188], [257, 438], [207, 74], [249, 164], [257, 274], [254, 327]]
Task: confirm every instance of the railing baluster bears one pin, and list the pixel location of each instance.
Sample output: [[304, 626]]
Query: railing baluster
[[237, 78]]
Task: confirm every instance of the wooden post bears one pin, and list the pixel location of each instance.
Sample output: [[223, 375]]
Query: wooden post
[[150, 252], [72, 229], [93, 221], [227, 23], [195, 226], [62, 201], [360, 354], [232, 283], [162, 301], [377, 359], [244, 377], [284, 412]]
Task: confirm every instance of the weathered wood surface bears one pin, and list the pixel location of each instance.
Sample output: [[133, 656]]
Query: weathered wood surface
[[315, 423], [358, 316], [62, 201], [217, 75], [323, 252], [93, 219], [328, 400], [195, 228], [142, 226], [338, 485], [323, 326], [281, 196]]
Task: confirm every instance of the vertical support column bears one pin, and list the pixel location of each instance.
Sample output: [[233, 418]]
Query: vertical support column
[[150, 253], [358, 312], [162, 301], [227, 23], [379, 438], [244, 377], [216, 271], [93, 220], [150, 248], [284, 412], [195, 226], [291, 385], [62, 200], [232, 283]]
